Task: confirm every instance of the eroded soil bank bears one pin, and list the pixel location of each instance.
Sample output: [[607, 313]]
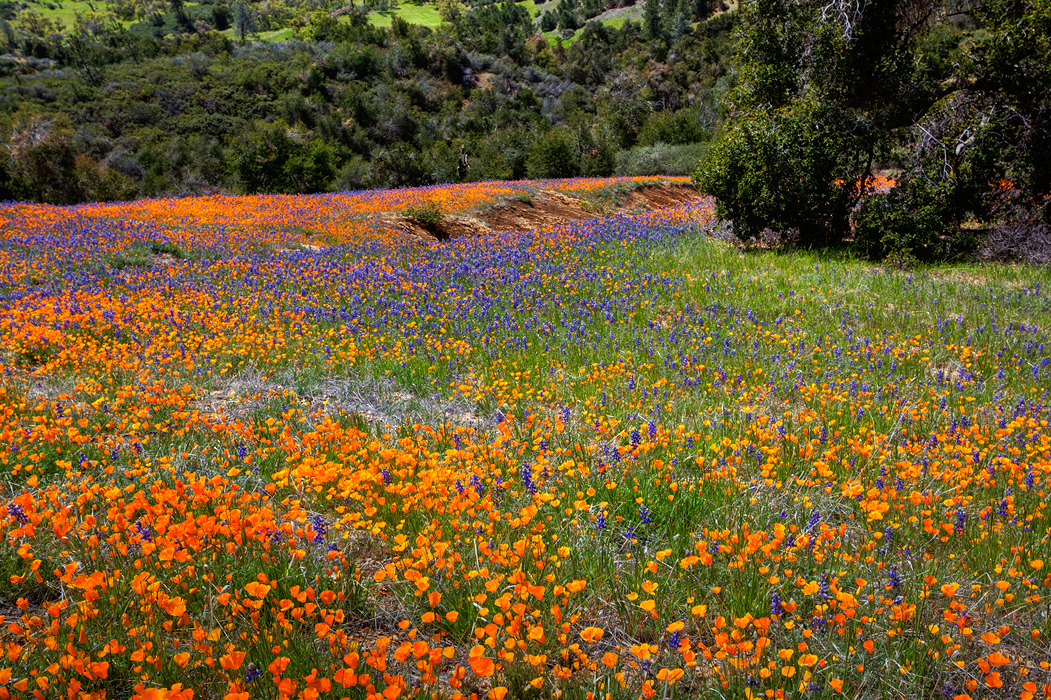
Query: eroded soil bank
[[547, 208]]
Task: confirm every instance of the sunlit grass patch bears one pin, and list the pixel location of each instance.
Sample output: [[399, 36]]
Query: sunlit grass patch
[[65, 11], [423, 15]]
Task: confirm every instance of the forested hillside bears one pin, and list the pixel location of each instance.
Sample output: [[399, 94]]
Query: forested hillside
[[130, 100]]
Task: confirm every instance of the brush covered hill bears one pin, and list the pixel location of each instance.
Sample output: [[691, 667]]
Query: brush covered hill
[[186, 99]]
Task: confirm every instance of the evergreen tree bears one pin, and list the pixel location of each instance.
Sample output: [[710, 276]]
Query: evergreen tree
[[680, 26], [828, 90], [244, 22], [669, 9], [653, 27]]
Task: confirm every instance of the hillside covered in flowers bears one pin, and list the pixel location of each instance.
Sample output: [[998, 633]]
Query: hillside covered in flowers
[[275, 447]]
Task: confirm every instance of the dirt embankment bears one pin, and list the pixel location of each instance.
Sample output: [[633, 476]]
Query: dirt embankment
[[546, 208]]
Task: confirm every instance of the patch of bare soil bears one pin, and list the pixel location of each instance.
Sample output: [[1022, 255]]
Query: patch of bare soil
[[453, 227], [450, 228], [545, 208], [237, 396], [384, 404], [660, 196], [163, 259], [550, 208], [484, 81]]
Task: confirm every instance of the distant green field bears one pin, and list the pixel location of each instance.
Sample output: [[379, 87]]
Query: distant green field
[[427, 15], [615, 19], [423, 15], [543, 7], [277, 35], [65, 12], [554, 36], [531, 6]]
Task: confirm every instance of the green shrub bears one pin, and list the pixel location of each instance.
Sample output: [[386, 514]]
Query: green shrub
[[269, 159], [222, 16], [660, 159], [554, 155], [440, 163], [672, 128], [398, 165], [785, 170], [598, 150], [913, 221], [353, 175], [428, 215], [502, 155], [166, 248], [717, 24]]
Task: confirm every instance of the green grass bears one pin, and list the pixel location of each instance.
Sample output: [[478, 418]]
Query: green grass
[[531, 6], [556, 36], [618, 16], [422, 15], [614, 19], [65, 11], [543, 7], [274, 36]]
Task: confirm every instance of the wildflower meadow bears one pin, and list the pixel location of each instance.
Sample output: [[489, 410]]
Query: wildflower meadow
[[271, 447]]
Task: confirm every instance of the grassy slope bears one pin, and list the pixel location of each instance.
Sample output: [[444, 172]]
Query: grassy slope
[[66, 11], [423, 15], [614, 18]]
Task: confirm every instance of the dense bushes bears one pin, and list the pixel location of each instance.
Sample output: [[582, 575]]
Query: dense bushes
[[826, 92], [660, 159], [347, 105], [787, 170], [554, 155], [673, 128], [269, 159], [910, 221], [46, 164]]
